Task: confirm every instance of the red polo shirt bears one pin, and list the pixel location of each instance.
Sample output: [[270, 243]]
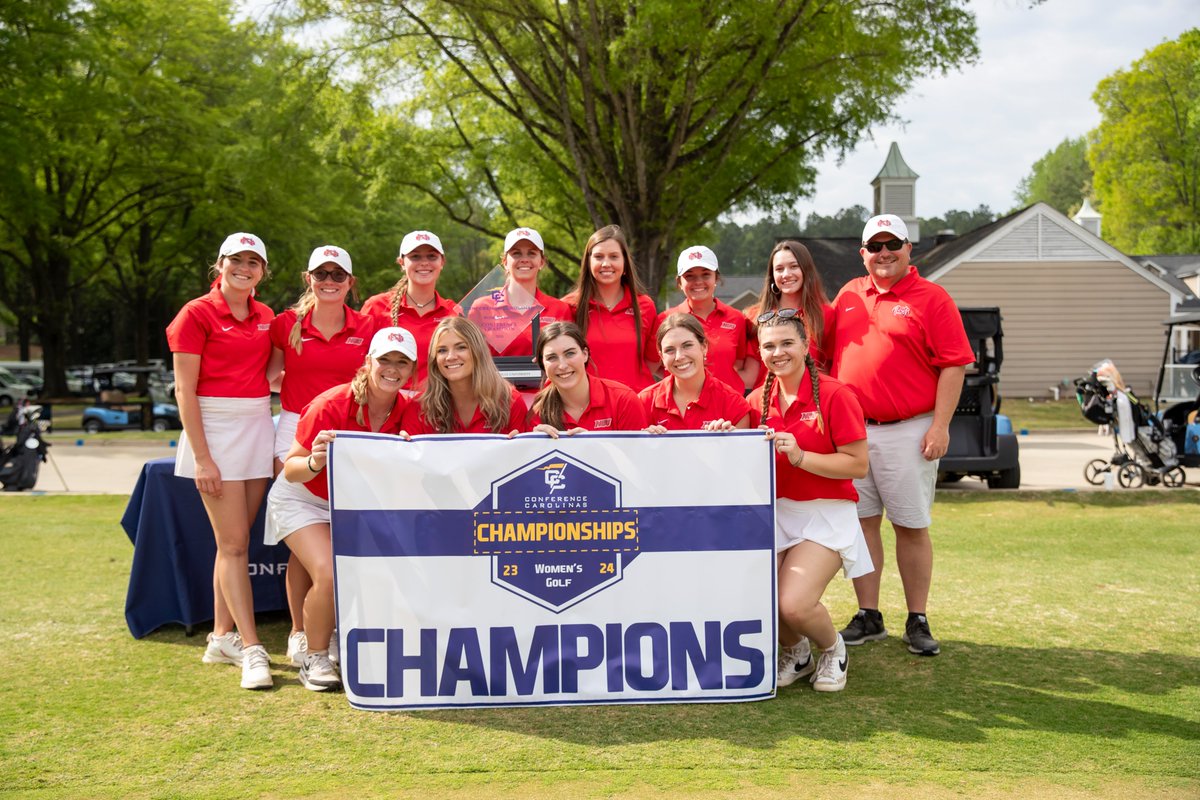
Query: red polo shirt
[[233, 352], [612, 339], [891, 346], [822, 355], [322, 362], [728, 333], [415, 424], [717, 401], [335, 410], [843, 424], [510, 326], [612, 406], [420, 323]]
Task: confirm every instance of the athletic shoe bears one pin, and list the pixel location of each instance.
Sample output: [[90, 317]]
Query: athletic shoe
[[297, 647], [831, 668], [794, 663], [224, 649], [918, 638], [318, 673], [865, 626], [334, 653], [256, 668]]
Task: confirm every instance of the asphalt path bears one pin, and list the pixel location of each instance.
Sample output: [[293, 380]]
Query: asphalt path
[[1049, 460]]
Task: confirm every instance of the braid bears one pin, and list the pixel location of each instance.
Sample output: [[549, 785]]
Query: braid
[[397, 294], [816, 384], [358, 389], [768, 385], [303, 307]]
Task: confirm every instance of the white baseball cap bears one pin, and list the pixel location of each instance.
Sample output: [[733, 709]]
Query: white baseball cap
[[242, 242], [393, 340], [696, 256], [885, 223], [415, 239], [523, 234], [330, 254]]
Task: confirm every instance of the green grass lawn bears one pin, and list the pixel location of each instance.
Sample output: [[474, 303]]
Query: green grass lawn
[[1069, 669], [1043, 415]]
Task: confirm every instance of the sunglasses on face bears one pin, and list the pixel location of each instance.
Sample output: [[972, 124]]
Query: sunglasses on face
[[783, 313], [891, 244], [336, 275]]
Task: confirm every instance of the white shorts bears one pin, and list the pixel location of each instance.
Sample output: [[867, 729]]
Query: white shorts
[[240, 437], [290, 507], [285, 433], [900, 481], [833, 524]]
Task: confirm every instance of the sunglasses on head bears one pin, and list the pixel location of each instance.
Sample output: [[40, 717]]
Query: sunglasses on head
[[890, 244], [783, 313], [335, 275]]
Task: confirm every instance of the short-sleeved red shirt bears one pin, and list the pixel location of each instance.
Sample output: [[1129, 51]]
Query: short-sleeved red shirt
[[511, 327], [612, 406], [891, 346], [421, 326], [321, 363], [233, 352], [415, 424], [728, 334], [717, 401], [335, 410], [612, 339], [843, 424], [821, 355]]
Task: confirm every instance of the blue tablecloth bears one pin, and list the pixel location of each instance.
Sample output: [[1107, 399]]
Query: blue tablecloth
[[174, 551]]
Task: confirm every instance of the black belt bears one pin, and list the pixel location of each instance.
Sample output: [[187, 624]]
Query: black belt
[[870, 421]]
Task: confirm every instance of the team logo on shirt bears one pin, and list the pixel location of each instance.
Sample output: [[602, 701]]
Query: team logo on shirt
[[808, 416], [604, 423], [555, 531], [264, 326], [901, 311], [354, 340], [728, 326], [629, 311]]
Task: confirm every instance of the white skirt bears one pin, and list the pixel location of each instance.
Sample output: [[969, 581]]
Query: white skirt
[[290, 507], [833, 524], [240, 438], [285, 433]]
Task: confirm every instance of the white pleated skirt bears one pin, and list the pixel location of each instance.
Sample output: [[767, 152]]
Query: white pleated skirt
[[241, 438], [830, 523]]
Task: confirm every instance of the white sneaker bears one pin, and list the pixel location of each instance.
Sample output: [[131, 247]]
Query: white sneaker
[[335, 654], [318, 673], [831, 668], [794, 663], [256, 668], [297, 647], [224, 649]]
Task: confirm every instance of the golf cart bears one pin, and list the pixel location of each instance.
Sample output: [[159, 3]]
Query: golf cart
[[982, 443], [1177, 392]]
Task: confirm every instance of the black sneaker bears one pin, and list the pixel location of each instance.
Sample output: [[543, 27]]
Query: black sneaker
[[864, 626], [918, 638]]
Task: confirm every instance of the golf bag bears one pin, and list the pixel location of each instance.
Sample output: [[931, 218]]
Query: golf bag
[[21, 462]]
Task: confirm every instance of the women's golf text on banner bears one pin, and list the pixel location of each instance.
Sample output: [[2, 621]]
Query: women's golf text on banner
[[599, 568]]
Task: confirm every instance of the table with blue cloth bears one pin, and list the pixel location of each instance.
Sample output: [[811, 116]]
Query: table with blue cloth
[[174, 550]]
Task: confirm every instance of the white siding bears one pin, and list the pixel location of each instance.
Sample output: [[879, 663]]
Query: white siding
[[1042, 238]]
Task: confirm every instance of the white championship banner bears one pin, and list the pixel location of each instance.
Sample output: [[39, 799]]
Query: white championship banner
[[601, 568]]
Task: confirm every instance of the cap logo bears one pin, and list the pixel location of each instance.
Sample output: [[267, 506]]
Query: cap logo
[[329, 251], [396, 337], [884, 223], [247, 240], [422, 237], [695, 255], [523, 232]]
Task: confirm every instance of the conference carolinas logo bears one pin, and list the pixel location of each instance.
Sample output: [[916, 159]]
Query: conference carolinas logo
[[555, 531]]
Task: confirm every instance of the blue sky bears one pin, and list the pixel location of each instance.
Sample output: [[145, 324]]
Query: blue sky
[[974, 134]]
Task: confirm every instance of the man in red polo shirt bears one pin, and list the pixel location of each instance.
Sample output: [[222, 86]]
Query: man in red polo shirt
[[899, 344]]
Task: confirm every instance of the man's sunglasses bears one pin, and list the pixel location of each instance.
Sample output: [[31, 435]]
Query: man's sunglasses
[[783, 313], [335, 275], [890, 244]]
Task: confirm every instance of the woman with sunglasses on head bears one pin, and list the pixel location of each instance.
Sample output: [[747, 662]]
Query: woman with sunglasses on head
[[298, 508], [413, 302], [728, 331], [613, 311], [464, 392], [690, 397], [319, 342], [820, 440], [572, 400], [792, 281], [221, 350]]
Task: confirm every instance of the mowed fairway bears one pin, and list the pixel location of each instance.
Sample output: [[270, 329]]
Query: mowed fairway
[[1070, 667]]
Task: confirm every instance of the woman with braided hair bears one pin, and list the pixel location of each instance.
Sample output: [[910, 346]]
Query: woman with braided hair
[[413, 302], [820, 441]]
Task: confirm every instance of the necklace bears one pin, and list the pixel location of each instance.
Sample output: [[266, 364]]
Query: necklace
[[417, 305]]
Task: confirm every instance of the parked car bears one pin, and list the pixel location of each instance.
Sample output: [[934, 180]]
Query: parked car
[[13, 389], [101, 418]]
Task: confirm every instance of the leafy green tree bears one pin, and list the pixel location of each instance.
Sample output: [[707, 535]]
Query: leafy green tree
[[958, 221], [1146, 151], [658, 115], [1061, 178], [847, 222]]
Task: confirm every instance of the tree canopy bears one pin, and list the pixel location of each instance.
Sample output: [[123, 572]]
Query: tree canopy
[[1062, 178]]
